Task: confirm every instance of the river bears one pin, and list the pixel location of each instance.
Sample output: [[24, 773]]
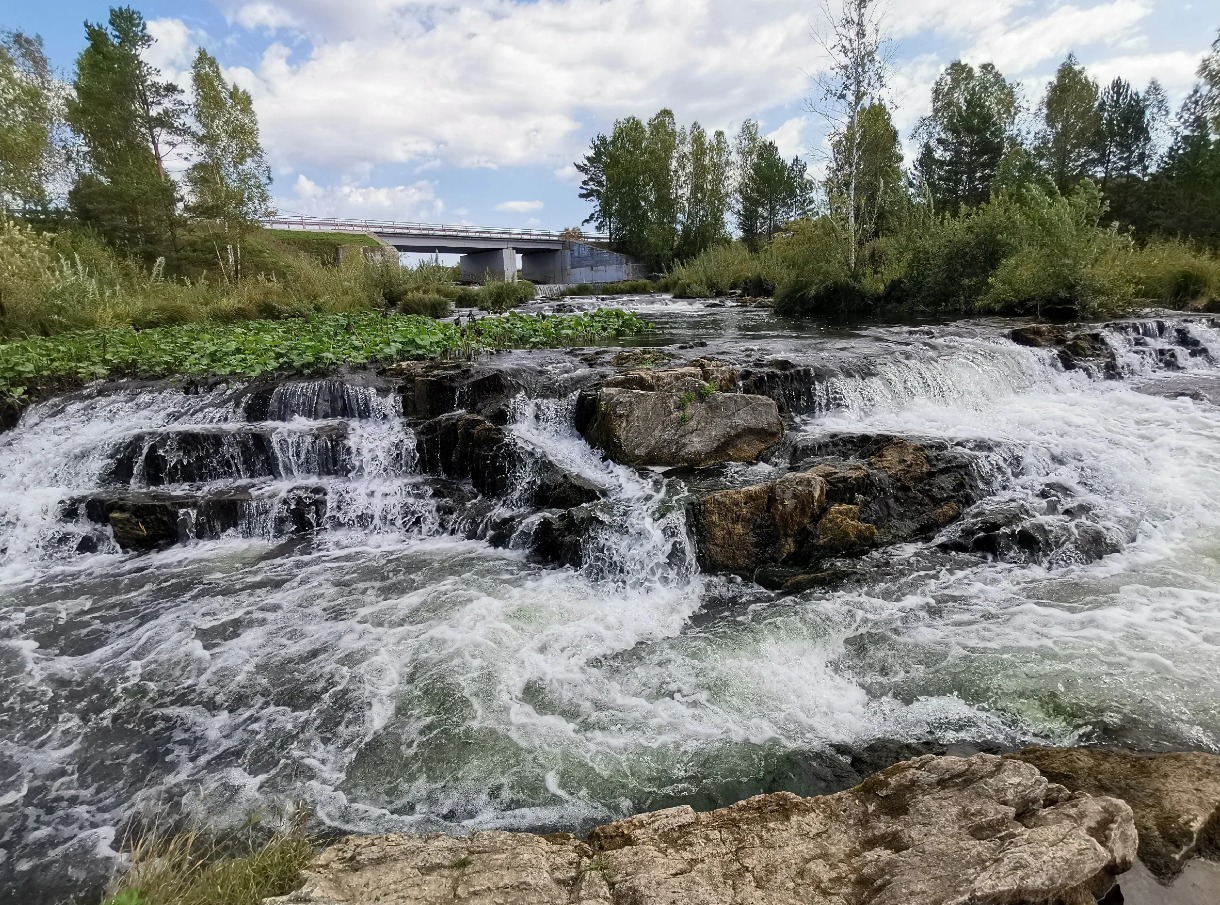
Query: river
[[398, 677]]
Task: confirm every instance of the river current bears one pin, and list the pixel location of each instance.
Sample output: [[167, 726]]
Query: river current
[[396, 677]]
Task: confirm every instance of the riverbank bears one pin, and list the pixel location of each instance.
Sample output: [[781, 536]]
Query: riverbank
[[456, 595]]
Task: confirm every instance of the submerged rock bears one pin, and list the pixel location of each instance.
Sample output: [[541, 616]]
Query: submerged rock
[[1175, 797], [932, 831], [689, 416]]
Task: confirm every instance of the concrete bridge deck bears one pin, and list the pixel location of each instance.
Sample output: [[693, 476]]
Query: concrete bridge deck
[[490, 252]]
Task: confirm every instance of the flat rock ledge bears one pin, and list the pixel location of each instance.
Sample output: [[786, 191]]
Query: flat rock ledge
[[983, 830], [1175, 797]]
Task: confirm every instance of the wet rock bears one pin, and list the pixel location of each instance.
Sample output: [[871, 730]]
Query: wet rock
[[562, 538], [318, 400], [841, 531], [679, 417], [466, 446], [1175, 797], [430, 389], [1052, 532], [560, 489], [931, 831], [140, 521], [200, 454], [1039, 336], [778, 531], [740, 528], [1089, 352]]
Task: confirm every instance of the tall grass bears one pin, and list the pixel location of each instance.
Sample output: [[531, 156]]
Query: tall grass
[[53, 283], [196, 867]]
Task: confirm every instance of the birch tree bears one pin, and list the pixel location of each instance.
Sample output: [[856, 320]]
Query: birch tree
[[855, 77]]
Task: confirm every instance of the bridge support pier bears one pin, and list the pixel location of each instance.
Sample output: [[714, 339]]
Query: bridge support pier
[[544, 267], [494, 264]]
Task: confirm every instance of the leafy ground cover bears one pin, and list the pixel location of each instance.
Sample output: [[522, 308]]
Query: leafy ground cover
[[304, 345]]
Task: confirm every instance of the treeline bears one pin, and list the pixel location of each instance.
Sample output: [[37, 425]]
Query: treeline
[[137, 159], [663, 192], [1093, 196]]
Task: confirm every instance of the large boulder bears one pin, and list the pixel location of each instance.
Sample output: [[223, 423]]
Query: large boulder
[[931, 831], [690, 416], [1175, 797], [433, 388], [850, 495]]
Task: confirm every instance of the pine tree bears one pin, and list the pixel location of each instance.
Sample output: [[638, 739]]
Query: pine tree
[[229, 180], [971, 128], [771, 192], [130, 122]]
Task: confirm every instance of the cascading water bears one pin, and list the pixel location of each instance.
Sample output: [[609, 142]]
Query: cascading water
[[334, 625]]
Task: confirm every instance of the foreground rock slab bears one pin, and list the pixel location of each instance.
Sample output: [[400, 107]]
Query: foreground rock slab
[[1175, 797], [932, 831]]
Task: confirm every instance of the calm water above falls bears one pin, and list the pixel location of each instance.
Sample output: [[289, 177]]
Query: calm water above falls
[[400, 678]]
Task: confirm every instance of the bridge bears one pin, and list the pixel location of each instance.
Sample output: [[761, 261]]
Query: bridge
[[491, 253]]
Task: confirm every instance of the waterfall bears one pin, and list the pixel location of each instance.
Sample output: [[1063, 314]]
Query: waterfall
[[333, 620]]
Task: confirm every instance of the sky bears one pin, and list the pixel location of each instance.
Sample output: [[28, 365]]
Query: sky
[[473, 111]]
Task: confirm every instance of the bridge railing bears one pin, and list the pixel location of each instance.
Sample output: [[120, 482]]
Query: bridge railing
[[329, 224]]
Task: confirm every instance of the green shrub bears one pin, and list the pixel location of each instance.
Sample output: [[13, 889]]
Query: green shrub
[[1169, 272], [497, 296], [722, 269], [428, 303]]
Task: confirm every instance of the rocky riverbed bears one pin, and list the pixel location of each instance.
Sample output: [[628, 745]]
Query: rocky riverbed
[[548, 591]]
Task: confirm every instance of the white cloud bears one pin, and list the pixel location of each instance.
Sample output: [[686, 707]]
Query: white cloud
[[568, 174], [416, 202], [353, 87], [1017, 48], [269, 16], [789, 137], [519, 207], [173, 47]]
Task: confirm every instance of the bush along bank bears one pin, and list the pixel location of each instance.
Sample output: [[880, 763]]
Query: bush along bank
[[1025, 253], [33, 367]]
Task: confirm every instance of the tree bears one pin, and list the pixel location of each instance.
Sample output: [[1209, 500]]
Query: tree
[[854, 79], [771, 192], [229, 179], [879, 194], [967, 135], [704, 164], [130, 123], [658, 190], [1125, 136], [32, 154], [1067, 143]]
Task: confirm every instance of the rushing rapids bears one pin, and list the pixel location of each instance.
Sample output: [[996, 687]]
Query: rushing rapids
[[226, 601]]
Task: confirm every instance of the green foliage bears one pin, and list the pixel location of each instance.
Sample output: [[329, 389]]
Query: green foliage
[[129, 121], [229, 180], [1073, 125], [771, 192], [31, 105], [722, 269], [54, 282], [865, 184], [310, 345], [656, 189], [967, 134], [321, 246], [498, 296]]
